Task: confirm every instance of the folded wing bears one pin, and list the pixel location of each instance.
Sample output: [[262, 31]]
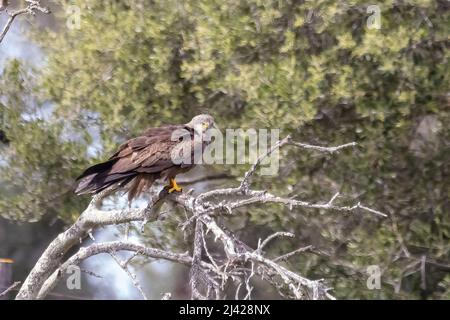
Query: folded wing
[[137, 163]]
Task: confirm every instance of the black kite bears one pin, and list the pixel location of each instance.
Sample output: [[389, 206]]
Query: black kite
[[140, 161]]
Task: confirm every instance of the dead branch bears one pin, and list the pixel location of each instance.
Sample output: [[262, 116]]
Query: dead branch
[[133, 277], [10, 288], [32, 7], [238, 262]]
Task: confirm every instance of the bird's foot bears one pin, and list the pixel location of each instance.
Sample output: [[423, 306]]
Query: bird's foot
[[174, 186]]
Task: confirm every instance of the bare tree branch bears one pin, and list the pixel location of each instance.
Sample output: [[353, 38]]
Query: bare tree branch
[[195, 273], [238, 262], [287, 141], [10, 288], [91, 218], [31, 8], [133, 277], [273, 236], [108, 247], [292, 253]]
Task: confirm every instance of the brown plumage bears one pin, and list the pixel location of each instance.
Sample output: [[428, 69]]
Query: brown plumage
[[140, 161]]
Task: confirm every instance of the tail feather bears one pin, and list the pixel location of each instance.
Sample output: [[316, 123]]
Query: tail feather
[[98, 178], [84, 184], [98, 168], [139, 183]]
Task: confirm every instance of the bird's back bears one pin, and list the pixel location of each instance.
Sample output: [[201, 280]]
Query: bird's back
[[142, 159]]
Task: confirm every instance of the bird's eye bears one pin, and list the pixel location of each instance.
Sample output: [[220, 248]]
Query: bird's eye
[[205, 125]]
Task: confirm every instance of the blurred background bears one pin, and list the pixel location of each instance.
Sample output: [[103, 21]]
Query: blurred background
[[77, 82]]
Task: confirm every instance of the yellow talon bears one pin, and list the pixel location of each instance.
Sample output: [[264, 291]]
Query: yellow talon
[[174, 186]]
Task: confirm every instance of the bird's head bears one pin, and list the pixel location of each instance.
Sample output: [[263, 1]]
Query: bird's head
[[201, 123]]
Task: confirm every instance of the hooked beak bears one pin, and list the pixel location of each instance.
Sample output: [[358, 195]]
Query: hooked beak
[[201, 129]]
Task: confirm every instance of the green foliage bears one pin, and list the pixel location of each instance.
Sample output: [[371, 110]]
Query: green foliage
[[39, 161], [311, 68]]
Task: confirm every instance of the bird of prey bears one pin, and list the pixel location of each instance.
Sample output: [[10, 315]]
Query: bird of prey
[[140, 161]]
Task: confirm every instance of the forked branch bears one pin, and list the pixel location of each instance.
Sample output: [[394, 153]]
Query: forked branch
[[238, 263]]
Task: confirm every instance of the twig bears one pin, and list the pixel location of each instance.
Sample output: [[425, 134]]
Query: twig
[[91, 273], [10, 288], [287, 141], [132, 276], [273, 236], [31, 9], [248, 287], [290, 254]]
